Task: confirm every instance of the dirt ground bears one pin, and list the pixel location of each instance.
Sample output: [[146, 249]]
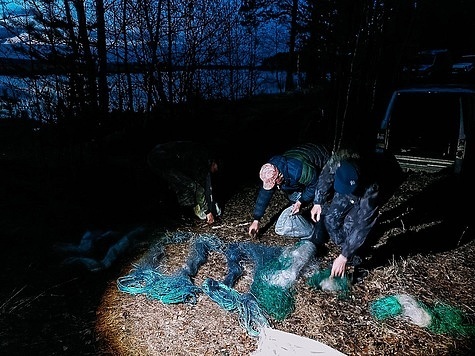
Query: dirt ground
[[425, 249], [419, 252]]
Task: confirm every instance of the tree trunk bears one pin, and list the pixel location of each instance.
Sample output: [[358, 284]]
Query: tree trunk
[[289, 80], [102, 53]]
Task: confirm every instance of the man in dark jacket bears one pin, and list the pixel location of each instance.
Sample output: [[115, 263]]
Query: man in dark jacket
[[295, 172], [190, 170], [349, 194]]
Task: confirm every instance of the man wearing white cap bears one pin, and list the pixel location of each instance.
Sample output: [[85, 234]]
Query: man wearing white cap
[[295, 172]]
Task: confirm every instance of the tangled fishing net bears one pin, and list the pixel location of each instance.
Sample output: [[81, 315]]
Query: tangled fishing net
[[271, 294], [440, 319], [98, 250], [321, 280]]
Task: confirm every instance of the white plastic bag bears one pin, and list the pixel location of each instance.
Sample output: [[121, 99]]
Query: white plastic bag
[[293, 225]]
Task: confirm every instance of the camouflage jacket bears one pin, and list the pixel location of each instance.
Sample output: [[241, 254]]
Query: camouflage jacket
[[348, 218]]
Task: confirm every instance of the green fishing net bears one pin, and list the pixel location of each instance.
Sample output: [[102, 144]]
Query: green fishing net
[[321, 280], [272, 292], [279, 302], [440, 319], [385, 307], [450, 320]]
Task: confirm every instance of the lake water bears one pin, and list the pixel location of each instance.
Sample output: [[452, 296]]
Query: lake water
[[38, 97]]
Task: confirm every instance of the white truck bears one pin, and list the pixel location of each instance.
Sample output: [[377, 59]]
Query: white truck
[[430, 128]]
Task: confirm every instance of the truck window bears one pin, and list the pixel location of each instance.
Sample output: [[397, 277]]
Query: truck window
[[425, 125]]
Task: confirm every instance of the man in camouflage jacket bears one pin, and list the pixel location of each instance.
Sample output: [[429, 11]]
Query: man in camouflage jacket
[[346, 204], [190, 170]]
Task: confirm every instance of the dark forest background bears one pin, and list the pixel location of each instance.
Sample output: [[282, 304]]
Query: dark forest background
[[350, 52]]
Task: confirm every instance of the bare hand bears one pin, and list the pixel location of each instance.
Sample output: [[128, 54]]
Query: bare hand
[[296, 207], [339, 266], [315, 212], [210, 218], [254, 228]]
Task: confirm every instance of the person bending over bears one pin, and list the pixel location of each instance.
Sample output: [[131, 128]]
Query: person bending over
[[191, 171], [347, 199], [295, 172]]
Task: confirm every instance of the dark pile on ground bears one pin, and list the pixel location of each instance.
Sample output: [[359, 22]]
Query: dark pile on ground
[[425, 249]]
